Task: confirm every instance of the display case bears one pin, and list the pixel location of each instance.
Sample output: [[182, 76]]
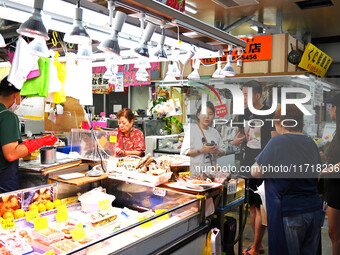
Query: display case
[[168, 145], [145, 220]]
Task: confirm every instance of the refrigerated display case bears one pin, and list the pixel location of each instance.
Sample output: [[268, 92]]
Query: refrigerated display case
[[146, 220], [168, 145]]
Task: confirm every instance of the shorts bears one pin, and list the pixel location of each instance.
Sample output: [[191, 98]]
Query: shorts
[[254, 198], [332, 188]]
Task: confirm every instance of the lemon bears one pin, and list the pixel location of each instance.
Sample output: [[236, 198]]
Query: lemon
[[41, 208], [49, 205], [19, 213], [8, 215], [56, 203], [32, 207]]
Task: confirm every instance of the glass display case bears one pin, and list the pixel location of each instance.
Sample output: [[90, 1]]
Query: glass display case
[[168, 145], [140, 220]]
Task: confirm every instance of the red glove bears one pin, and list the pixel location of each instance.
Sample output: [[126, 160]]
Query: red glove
[[35, 144]]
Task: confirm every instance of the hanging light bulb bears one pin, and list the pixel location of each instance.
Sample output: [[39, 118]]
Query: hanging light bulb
[[34, 26], [2, 41], [160, 53], [111, 44], [143, 48], [38, 47], [228, 70], [78, 35], [85, 52], [194, 75], [217, 73]]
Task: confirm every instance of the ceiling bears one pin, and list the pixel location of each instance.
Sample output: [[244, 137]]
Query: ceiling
[[319, 22]]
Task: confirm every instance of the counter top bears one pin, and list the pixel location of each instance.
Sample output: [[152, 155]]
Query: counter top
[[81, 180], [63, 161]]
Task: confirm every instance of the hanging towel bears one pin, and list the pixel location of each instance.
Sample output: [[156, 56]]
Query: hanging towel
[[23, 62], [60, 97], [38, 86]]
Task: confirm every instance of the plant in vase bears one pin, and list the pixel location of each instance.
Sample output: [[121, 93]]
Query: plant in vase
[[173, 125], [156, 106]]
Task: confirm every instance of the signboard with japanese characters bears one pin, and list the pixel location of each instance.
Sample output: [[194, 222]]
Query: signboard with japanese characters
[[99, 85], [258, 48], [315, 60]]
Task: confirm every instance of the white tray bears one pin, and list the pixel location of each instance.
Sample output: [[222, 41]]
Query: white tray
[[71, 176], [154, 179]]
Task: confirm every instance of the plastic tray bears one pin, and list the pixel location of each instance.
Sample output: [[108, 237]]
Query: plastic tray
[[70, 244], [40, 245], [154, 179], [57, 236]]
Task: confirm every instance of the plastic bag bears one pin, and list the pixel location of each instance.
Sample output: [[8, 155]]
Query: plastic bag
[[262, 192]]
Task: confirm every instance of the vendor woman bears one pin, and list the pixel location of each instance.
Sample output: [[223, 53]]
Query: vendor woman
[[130, 140]]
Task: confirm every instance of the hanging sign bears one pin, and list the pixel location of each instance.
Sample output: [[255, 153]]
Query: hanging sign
[[315, 60], [221, 110], [99, 85], [258, 48], [119, 87]]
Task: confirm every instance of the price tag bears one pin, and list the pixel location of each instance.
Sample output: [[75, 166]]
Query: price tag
[[165, 216], [40, 223], [61, 208], [78, 233], [103, 202], [31, 215], [113, 139], [232, 187], [49, 253], [200, 196], [106, 207], [147, 224], [181, 174], [7, 223], [61, 216], [80, 225], [159, 192]]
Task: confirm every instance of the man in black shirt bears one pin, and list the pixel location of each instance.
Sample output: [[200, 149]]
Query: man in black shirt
[[255, 133]]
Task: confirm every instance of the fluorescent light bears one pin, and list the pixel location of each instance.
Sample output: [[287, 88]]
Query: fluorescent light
[[191, 9], [256, 28]]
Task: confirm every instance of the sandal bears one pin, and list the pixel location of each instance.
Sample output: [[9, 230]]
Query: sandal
[[245, 251]]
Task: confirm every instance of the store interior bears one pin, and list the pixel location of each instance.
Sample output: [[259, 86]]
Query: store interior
[[161, 59]]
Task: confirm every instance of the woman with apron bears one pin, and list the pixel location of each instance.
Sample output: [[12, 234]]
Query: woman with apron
[[11, 146]]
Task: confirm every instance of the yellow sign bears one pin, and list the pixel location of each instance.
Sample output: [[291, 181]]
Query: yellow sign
[[61, 208], [7, 223], [40, 223], [181, 174], [113, 139], [49, 253], [103, 202], [31, 215], [165, 216], [105, 207], [61, 216], [315, 60], [80, 225], [147, 224], [78, 233]]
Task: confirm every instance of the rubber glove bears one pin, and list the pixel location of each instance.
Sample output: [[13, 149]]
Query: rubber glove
[[35, 144]]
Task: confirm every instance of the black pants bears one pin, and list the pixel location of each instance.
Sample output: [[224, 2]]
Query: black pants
[[9, 178]]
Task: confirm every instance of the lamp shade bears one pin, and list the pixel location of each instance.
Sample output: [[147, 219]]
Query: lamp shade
[[85, 52], [217, 73], [38, 47], [143, 48], [111, 44], [228, 70], [160, 53], [34, 26], [78, 35]]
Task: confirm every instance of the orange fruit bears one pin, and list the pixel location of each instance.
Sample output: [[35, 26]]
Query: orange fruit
[[49, 205], [56, 203], [41, 208], [32, 207], [19, 213], [8, 215]]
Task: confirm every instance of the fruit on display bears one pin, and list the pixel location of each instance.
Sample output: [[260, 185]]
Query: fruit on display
[[49, 205], [8, 215], [56, 203], [41, 208], [33, 207], [19, 213]]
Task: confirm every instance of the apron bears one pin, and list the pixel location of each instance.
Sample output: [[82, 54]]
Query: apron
[[9, 177], [277, 244]]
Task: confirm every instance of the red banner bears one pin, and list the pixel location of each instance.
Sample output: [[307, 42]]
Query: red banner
[[258, 48]]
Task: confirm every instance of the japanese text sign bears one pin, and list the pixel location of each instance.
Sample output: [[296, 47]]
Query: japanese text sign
[[314, 60], [258, 48]]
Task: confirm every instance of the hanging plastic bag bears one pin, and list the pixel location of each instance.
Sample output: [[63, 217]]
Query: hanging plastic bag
[[261, 191], [38, 86]]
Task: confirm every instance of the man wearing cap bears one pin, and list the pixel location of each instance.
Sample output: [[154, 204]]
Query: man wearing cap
[[11, 146]]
